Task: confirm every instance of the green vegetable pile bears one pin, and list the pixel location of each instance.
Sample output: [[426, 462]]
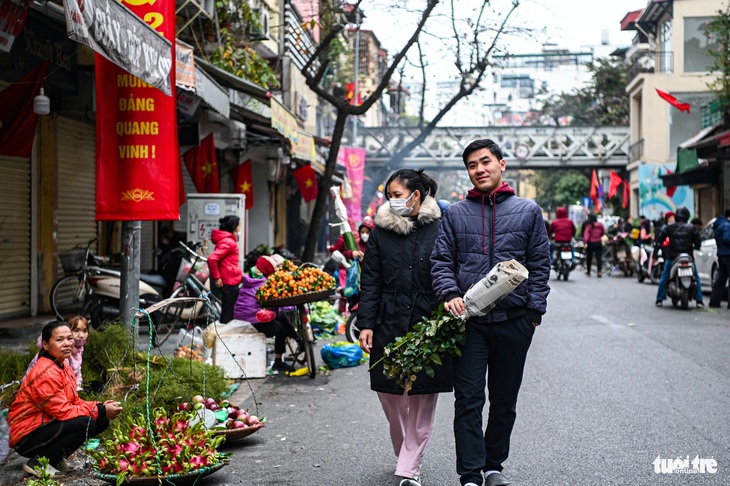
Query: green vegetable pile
[[323, 315]]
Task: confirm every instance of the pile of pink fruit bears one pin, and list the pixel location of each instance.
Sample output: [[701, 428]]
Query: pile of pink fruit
[[227, 416]]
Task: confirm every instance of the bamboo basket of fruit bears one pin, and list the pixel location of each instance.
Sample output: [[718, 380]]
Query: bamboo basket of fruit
[[175, 447], [292, 285], [231, 421]]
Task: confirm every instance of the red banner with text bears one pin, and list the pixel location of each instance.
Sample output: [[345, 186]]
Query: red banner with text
[[353, 159], [137, 153]]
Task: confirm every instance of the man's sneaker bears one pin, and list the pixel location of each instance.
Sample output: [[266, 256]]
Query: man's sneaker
[[410, 482], [282, 366], [29, 467], [658, 303], [472, 484], [700, 305]]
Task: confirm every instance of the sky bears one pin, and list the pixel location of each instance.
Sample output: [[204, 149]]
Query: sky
[[569, 23]]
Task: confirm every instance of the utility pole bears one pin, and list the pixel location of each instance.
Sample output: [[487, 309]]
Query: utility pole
[[129, 285], [356, 87]]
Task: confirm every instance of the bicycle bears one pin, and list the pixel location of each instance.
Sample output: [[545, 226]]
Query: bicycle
[[191, 277], [73, 293]]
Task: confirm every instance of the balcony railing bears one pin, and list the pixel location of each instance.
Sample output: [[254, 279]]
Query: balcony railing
[[661, 62], [636, 151]]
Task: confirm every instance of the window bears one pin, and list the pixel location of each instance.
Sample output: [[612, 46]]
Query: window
[[665, 48], [684, 125], [696, 45]]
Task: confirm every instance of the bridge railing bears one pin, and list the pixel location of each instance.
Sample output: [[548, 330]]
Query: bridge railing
[[524, 147]]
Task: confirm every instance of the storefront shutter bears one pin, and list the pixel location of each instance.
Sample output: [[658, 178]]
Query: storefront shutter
[[76, 184], [147, 247], [15, 235], [706, 209]]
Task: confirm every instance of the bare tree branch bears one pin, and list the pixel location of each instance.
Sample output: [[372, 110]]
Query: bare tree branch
[[421, 108], [456, 37]]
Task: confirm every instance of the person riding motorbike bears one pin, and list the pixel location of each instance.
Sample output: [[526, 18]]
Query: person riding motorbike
[[562, 231], [683, 238]]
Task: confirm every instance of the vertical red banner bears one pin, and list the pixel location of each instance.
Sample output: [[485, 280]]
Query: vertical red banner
[[354, 161], [137, 153]]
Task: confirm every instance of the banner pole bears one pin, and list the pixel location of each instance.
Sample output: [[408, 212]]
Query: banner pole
[[129, 285]]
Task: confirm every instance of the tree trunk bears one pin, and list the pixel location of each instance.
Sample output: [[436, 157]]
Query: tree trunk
[[310, 244]]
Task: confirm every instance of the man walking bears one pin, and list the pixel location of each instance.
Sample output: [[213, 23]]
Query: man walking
[[492, 225], [721, 227]]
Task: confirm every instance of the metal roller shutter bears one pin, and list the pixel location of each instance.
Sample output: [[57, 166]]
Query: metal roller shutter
[[76, 184], [147, 247], [706, 209], [15, 235]]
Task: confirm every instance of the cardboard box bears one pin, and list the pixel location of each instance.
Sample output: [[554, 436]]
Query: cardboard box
[[242, 354]]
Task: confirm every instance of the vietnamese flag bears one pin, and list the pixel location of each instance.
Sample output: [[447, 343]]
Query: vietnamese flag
[[307, 182], [614, 184], [627, 193], [18, 121], [203, 166], [594, 188], [673, 101], [244, 182]]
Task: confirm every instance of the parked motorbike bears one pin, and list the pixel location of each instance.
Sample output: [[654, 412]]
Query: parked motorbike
[[352, 332], [621, 257], [682, 284], [649, 264], [564, 263], [106, 288]]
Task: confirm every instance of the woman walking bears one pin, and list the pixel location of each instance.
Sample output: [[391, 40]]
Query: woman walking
[[396, 294], [223, 263], [592, 238]]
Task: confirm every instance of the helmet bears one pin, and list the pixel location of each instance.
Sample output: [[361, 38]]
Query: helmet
[[367, 223], [682, 215]]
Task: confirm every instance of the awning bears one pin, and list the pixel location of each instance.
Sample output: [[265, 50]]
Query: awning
[[703, 174], [212, 93], [698, 137], [629, 20], [230, 81]]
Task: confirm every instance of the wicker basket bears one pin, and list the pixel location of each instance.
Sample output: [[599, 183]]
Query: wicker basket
[[236, 434], [298, 299], [72, 261], [177, 479]]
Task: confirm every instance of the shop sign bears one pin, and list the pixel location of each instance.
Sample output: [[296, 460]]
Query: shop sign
[[137, 154], [283, 121], [14, 14], [112, 30], [184, 66], [303, 147]]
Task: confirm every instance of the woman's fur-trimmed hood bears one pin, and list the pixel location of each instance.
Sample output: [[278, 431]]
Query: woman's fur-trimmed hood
[[403, 225]]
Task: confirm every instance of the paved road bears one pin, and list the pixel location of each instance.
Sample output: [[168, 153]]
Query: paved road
[[611, 382]]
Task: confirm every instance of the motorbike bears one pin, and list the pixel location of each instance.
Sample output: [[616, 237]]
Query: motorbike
[[682, 283], [621, 257], [106, 288], [564, 263], [649, 264]]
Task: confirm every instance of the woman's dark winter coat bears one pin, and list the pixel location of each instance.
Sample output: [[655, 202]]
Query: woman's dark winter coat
[[397, 292]]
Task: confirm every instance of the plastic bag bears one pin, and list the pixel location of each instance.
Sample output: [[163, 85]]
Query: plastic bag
[[352, 284], [341, 355]]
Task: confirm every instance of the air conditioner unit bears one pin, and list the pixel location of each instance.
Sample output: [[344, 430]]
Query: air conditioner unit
[[261, 32]]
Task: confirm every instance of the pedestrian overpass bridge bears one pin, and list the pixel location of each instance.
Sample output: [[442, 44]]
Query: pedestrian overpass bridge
[[524, 147]]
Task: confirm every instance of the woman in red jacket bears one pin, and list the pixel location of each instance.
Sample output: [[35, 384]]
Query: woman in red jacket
[[223, 263], [592, 237], [47, 418]]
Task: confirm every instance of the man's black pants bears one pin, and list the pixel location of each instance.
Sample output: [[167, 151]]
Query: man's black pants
[[59, 439], [501, 348]]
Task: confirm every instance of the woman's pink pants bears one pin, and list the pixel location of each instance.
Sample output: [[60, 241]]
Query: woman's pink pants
[[411, 421]]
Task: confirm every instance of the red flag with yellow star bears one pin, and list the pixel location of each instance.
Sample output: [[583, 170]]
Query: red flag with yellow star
[[203, 166], [307, 182], [244, 182]]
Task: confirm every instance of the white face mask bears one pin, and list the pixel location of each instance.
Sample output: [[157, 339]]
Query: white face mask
[[400, 205], [364, 237]]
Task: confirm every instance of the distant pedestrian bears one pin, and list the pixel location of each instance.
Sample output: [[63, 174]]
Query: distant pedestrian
[[722, 239], [491, 226], [225, 270], [396, 295], [592, 237]]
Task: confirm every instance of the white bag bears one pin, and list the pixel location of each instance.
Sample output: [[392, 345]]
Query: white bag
[[484, 295]]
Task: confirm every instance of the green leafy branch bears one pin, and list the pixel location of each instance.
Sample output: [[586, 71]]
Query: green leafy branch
[[422, 348]]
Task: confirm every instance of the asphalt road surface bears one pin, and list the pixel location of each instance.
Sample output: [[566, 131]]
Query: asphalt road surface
[[611, 384]]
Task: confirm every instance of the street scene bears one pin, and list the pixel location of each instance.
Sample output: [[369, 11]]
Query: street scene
[[282, 242]]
